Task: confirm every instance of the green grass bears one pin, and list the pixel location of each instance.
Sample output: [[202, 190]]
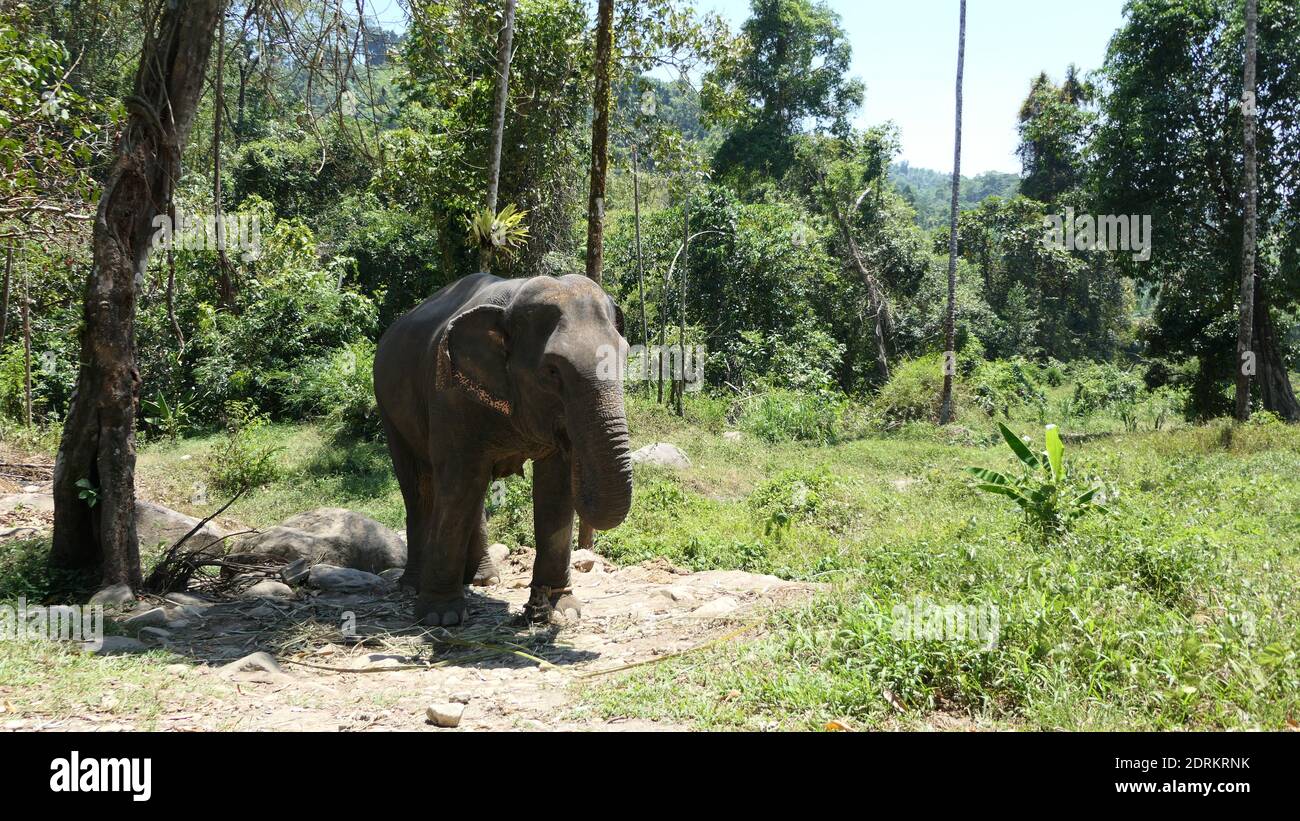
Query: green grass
[[1178, 609]]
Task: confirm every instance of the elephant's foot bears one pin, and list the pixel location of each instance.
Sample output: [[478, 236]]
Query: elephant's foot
[[410, 580], [486, 574], [440, 612], [547, 604]]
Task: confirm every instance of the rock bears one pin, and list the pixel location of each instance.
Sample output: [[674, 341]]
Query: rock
[[445, 715], [187, 599], [717, 608], [673, 593], [181, 670], [154, 635], [392, 575], [345, 579], [113, 646], [584, 561], [459, 698], [117, 595], [41, 502], [186, 613], [21, 532], [31, 488], [329, 535], [498, 554], [158, 525], [153, 617], [662, 454], [269, 589], [259, 662], [733, 435], [296, 572]]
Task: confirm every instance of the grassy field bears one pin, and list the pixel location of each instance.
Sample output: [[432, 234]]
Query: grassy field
[[1178, 608]]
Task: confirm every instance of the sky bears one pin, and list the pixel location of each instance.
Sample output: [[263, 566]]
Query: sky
[[905, 51]]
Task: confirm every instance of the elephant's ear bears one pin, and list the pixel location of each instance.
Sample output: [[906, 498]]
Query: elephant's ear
[[472, 356], [618, 318]]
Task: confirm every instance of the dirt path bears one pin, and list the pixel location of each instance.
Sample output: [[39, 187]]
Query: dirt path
[[382, 674]]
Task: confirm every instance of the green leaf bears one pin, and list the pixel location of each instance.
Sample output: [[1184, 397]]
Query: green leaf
[[1003, 490], [1055, 452], [1018, 445]]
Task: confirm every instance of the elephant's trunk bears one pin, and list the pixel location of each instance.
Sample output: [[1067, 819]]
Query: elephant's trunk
[[601, 457]]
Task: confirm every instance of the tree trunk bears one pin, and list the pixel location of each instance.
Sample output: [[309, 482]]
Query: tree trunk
[[1276, 394], [27, 347], [504, 46], [98, 441], [600, 140], [950, 319], [225, 284], [640, 268], [679, 385], [875, 297], [599, 167], [1245, 365], [4, 297]]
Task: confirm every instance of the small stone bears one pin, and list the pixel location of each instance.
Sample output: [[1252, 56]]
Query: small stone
[[181, 670], [31, 488], [153, 617], [717, 608], [269, 589], [296, 572], [115, 595], [498, 553], [584, 561], [733, 436], [187, 457], [345, 579], [187, 613], [461, 697], [114, 645], [259, 662], [187, 599], [445, 715], [673, 593], [154, 635]]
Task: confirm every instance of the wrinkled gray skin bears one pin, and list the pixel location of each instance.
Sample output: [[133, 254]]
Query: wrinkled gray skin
[[536, 344]]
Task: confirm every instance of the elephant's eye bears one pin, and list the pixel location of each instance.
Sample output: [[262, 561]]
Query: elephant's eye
[[552, 376]]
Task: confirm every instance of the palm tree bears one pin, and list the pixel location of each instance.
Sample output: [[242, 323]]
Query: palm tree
[[949, 322], [1245, 363]]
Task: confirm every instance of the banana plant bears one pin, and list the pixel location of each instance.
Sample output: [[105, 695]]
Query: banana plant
[[1045, 493]]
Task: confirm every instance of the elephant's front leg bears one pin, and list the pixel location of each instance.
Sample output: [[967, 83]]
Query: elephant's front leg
[[553, 527], [454, 522]]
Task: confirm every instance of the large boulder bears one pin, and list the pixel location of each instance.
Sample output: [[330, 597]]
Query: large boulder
[[157, 525], [329, 535]]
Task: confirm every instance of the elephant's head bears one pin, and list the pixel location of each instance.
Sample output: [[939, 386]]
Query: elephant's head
[[550, 361]]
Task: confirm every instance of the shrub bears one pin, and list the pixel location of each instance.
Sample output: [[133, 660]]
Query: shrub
[[785, 415], [912, 392], [1000, 385], [243, 460], [339, 387], [1100, 385]]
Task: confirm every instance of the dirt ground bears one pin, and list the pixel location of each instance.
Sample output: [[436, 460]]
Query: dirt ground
[[352, 661]]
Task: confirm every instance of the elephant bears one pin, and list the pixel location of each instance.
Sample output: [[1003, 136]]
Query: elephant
[[482, 376]]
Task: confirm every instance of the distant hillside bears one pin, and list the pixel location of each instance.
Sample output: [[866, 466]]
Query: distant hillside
[[929, 191]]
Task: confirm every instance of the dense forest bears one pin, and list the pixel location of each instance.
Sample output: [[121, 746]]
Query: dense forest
[[320, 173]]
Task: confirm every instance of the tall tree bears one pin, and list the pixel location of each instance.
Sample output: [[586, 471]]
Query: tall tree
[[789, 68], [1246, 322], [1171, 144], [505, 39], [97, 533], [599, 168], [950, 319]]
